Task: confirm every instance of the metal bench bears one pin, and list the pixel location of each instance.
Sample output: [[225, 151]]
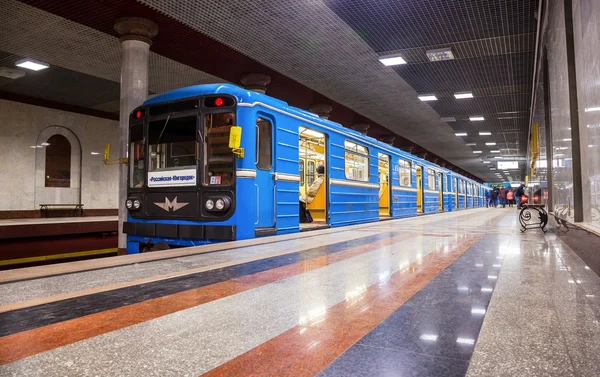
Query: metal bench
[[77, 208], [526, 217]]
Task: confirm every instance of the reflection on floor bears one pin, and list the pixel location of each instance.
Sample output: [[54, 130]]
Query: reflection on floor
[[455, 294]]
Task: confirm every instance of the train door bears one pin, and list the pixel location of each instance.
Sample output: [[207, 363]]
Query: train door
[[312, 155], [384, 186], [265, 181], [455, 187], [441, 192], [419, 189]]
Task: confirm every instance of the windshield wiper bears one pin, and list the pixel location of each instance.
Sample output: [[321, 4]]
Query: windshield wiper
[[164, 128]]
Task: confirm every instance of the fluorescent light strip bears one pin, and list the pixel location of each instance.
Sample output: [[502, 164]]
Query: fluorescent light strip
[[495, 151], [491, 143], [428, 97], [485, 133], [461, 134], [476, 118], [34, 65], [591, 109], [463, 95], [477, 151], [392, 60]]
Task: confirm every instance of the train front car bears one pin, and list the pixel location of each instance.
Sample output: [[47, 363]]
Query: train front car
[[182, 185]]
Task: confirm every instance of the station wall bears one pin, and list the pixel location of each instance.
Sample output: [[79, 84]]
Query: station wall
[[22, 166], [586, 26]]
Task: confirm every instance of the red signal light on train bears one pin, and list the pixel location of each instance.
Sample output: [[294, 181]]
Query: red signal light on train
[[138, 114], [219, 101]]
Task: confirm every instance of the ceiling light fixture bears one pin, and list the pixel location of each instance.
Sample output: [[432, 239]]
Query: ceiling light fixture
[[592, 109], [485, 133], [476, 118], [471, 144], [477, 151], [463, 95], [440, 54], [428, 97], [95, 153], [495, 151], [461, 134], [486, 162], [492, 143], [448, 119], [389, 60], [34, 65]]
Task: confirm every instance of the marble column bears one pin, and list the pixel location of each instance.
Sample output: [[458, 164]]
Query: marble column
[[136, 38]]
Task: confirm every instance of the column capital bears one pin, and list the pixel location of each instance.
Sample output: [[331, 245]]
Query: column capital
[[361, 127], [256, 82], [136, 28], [388, 139], [322, 110]]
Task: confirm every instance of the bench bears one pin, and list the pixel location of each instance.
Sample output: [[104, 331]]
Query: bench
[[77, 208], [525, 217]]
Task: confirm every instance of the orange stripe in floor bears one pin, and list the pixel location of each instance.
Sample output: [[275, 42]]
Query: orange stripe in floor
[[306, 349], [27, 343]]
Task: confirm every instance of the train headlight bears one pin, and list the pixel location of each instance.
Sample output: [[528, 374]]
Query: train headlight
[[210, 204], [220, 204], [129, 203], [137, 204]]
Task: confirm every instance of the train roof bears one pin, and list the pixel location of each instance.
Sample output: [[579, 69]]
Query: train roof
[[250, 97]]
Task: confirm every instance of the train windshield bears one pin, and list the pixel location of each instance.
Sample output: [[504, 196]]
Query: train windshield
[[172, 151]]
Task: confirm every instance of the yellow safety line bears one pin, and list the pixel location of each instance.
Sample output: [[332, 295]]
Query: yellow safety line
[[57, 256]]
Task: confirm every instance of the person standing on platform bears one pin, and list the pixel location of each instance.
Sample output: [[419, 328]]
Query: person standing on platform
[[510, 196], [502, 195], [487, 198], [519, 192], [494, 197]]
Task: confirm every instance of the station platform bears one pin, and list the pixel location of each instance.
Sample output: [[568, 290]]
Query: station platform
[[37, 240], [455, 294]]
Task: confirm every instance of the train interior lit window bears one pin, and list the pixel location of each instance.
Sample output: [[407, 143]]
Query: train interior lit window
[[455, 189], [384, 185], [430, 179], [419, 178], [172, 144], [137, 155], [264, 146], [404, 168], [440, 185], [356, 161], [312, 152], [218, 157]]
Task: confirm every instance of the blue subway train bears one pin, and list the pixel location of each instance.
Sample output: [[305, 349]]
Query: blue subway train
[[214, 163]]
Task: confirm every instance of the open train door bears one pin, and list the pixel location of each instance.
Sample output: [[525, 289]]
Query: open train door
[[312, 154], [441, 192], [385, 192], [419, 189]]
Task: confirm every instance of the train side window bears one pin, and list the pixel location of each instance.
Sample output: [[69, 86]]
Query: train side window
[[310, 172], [356, 161], [431, 179], [264, 145], [405, 173]]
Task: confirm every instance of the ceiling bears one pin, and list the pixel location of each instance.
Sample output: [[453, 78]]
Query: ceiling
[[315, 52]]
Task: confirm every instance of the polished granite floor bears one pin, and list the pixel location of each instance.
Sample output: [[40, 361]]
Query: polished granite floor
[[455, 294]]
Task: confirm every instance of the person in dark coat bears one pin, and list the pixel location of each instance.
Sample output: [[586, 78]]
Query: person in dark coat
[[502, 195]]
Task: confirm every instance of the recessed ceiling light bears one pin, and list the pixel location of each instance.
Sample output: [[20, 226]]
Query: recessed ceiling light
[[448, 119], [486, 162], [498, 157], [463, 95], [477, 151], [566, 139], [591, 109], [492, 143], [440, 54], [492, 168], [461, 134], [45, 144], [33, 146], [428, 97], [476, 118], [485, 133], [471, 144], [95, 153], [34, 65], [392, 60], [495, 151]]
